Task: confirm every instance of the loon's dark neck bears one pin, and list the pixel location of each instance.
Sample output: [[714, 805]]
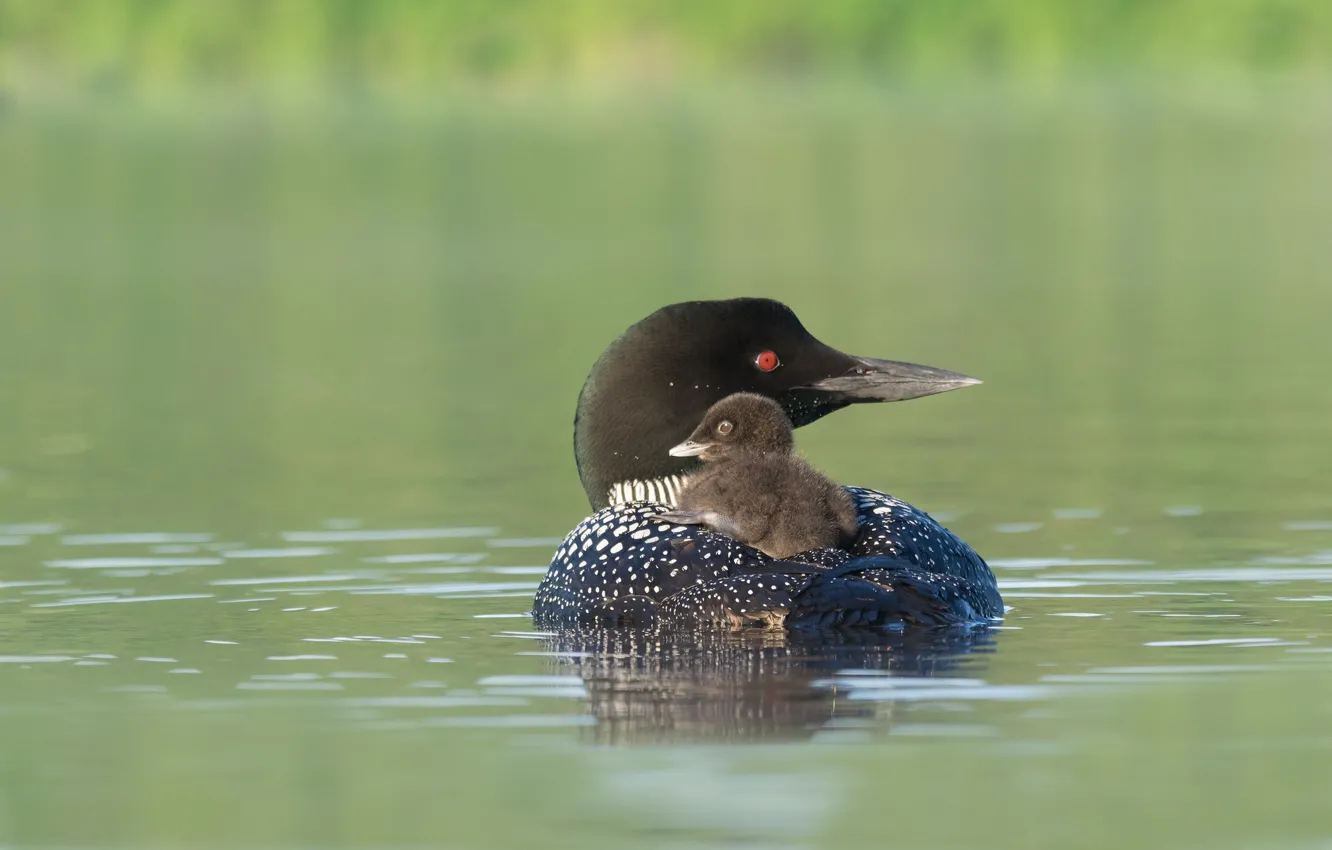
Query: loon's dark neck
[[651, 387]]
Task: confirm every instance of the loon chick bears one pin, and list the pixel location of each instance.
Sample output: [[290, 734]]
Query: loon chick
[[646, 393], [753, 487]]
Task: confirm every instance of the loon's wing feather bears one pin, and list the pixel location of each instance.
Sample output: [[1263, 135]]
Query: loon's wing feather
[[890, 526], [866, 592]]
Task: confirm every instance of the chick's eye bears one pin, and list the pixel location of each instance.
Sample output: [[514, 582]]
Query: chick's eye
[[725, 427], [766, 361]]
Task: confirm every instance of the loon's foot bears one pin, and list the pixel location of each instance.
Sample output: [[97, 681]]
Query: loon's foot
[[708, 519], [755, 600]]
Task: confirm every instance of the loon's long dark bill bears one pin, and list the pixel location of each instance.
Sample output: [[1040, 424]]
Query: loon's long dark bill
[[888, 380]]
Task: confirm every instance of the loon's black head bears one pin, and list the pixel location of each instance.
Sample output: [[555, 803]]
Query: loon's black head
[[651, 387], [741, 422]]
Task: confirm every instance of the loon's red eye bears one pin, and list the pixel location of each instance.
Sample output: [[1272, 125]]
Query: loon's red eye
[[767, 361]]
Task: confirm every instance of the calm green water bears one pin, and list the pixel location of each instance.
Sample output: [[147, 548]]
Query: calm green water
[[285, 415]]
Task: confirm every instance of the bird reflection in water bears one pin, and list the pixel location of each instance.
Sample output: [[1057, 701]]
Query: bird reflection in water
[[657, 686]]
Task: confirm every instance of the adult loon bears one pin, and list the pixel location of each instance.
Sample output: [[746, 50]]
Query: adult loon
[[646, 393], [754, 488]]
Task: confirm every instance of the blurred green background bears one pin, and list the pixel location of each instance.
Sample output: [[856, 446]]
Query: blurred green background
[[416, 48], [307, 265]]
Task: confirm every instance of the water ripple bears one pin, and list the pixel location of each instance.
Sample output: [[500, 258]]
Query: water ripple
[[355, 536], [429, 558], [1247, 641], [140, 538], [112, 600], [122, 563], [1222, 574], [287, 552]]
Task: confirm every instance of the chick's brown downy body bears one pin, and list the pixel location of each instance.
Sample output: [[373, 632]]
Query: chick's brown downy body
[[753, 487]]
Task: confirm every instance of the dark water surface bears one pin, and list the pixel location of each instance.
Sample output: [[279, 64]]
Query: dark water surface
[[285, 425]]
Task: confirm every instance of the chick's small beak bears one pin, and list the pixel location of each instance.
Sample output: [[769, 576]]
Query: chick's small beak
[[689, 448]]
